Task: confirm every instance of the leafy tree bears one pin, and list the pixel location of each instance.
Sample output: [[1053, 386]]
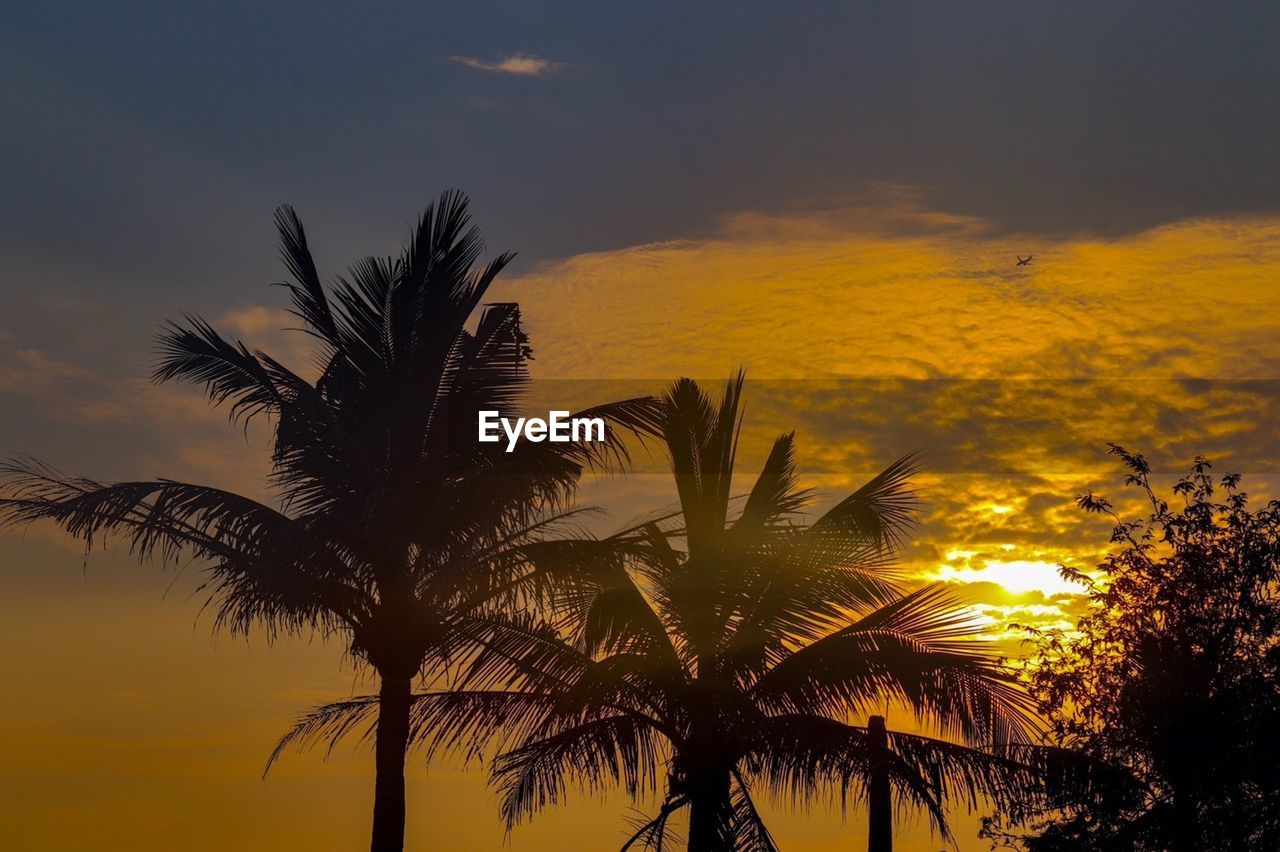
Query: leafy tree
[[394, 526], [1170, 678], [728, 648]]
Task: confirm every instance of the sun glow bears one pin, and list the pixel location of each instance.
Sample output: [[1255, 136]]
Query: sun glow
[[1016, 576]]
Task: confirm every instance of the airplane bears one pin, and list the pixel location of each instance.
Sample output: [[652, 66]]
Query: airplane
[[1025, 261]]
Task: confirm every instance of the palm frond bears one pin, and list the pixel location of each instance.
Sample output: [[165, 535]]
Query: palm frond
[[264, 565], [799, 756], [160, 518], [775, 495], [701, 438], [196, 353], [460, 722], [915, 651], [652, 834], [310, 304], [608, 750], [514, 651], [747, 830], [328, 723], [968, 776], [882, 511]]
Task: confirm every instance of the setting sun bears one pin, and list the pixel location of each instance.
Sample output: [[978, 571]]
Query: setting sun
[[1016, 576]]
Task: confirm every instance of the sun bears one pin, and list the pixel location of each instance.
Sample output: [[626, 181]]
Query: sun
[[1017, 576]]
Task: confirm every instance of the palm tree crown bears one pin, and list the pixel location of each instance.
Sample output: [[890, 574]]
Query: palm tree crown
[[730, 644], [393, 523]]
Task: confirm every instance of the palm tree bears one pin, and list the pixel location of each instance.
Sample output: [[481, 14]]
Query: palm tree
[[735, 661], [394, 525]]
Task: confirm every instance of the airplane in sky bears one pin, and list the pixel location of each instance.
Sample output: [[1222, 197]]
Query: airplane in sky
[[1025, 261]]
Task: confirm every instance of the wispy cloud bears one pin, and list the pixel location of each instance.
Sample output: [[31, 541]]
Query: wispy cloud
[[520, 64]]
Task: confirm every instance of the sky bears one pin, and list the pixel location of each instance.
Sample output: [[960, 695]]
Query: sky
[[832, 199]]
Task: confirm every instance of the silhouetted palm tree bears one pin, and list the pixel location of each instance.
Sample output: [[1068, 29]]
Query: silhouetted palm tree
[[394, 523], [734, 661]]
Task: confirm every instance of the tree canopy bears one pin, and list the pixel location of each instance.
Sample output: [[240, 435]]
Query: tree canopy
[[1171, 677]]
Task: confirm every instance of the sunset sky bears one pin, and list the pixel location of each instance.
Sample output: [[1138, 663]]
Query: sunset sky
[[833, 201]]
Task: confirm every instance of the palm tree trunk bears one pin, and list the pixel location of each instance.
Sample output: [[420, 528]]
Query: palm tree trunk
[[709, 809], [879, 796], [392, 740]]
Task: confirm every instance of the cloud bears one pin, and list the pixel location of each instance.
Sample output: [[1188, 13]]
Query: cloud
[[109, 426], [877, 331], [519, 64], [872, 332], [256, 321]]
